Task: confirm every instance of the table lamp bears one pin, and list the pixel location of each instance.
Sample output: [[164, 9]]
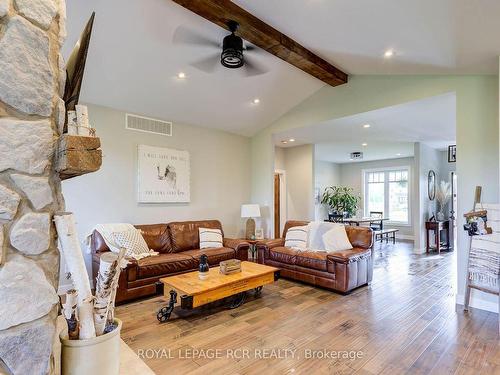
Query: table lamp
[[250, 211]]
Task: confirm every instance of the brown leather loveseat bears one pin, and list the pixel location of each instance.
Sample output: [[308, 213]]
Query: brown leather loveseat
[[179, 247], [340, 271]]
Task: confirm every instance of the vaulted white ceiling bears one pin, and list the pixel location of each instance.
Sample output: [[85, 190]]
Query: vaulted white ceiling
[[428, 36], [391, 134], [132, 63]]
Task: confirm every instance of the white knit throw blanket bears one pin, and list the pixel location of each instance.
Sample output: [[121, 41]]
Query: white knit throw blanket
[[107, 231], [484, 260]]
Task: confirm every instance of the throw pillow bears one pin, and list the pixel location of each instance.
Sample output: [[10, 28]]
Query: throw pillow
[[336, 239], [296, 237], [135, 245], [210, 238]]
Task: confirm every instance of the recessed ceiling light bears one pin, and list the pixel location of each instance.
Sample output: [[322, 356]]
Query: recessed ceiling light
[[291, 140], [181, 75], [256, 101], [398, 154], [389, 53], [351, 159], [366, 126], [364, 144], [284, 142]]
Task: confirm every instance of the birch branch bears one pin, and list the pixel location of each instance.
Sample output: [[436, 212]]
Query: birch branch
[[70, 248], [121, 263], [69, 312], [108, 267]]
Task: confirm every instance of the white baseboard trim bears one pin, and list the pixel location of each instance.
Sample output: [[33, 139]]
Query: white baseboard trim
[[478, 303], [418, 251]]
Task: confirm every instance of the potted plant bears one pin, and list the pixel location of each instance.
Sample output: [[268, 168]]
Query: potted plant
[[341, 200]]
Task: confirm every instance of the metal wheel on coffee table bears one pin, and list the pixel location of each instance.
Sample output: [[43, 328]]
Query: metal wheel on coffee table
[[238, 300], [164, 313]]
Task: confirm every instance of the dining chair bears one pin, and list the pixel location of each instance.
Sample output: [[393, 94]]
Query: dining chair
[[378, 215], [336, 218]]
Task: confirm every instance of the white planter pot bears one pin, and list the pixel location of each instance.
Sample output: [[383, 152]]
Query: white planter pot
[[99, 355]]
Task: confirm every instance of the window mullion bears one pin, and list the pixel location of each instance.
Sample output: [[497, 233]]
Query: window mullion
[[386, 194]]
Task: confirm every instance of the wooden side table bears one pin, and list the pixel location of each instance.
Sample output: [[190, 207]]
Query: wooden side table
[[252, 256], [437, 227]]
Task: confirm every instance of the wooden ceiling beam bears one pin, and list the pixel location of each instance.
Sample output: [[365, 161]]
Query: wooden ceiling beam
[[266, 37]]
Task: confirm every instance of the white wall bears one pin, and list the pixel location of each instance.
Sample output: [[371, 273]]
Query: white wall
[[326, 174], [279, 158], [299, 166], [351, 174], [220, 177], [445, 170], [426, 159]]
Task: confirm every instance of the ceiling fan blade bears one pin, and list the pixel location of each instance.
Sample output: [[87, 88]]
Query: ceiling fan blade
[[208, 64], [252, 67], [183, 35], [253, 49]]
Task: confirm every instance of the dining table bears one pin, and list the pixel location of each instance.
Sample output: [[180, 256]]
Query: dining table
[[357, 221]]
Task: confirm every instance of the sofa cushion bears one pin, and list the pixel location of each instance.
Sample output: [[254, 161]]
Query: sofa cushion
[[336, 238], [360, 236], [283, 254], [215, 255], [312, 259], [184, 235], [156, 236], [164, 264], [296, 237], [210, 238]]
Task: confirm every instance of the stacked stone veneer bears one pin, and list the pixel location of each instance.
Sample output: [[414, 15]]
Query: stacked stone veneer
[[31, 112]]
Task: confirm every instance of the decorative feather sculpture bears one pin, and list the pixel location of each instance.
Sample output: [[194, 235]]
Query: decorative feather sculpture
[[443, 195]]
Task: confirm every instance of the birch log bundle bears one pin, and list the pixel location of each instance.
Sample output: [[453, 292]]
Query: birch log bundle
[[70, 248]]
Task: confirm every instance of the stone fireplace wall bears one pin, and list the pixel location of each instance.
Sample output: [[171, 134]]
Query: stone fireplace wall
[[31, 114]]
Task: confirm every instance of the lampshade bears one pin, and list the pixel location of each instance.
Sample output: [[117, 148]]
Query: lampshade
[[250, 210]]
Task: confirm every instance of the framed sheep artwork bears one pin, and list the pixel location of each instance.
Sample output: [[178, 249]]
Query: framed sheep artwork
[[163, 175]]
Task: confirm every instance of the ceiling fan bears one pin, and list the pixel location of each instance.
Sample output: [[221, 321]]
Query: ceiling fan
[[234, 53]]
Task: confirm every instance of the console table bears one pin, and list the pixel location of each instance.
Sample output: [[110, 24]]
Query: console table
[[437, 227]]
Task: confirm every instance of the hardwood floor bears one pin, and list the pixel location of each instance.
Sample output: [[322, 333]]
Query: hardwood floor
[[405, 322]]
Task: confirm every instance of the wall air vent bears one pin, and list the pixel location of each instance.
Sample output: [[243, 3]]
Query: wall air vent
[[148, 125], [356, 155]]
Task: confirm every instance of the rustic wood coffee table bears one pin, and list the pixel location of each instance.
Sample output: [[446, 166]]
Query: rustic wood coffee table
[[194, 292]]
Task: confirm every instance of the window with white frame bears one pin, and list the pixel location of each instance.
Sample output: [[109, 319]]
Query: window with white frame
[[387, 191]]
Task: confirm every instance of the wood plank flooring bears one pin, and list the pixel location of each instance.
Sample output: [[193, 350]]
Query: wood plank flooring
[[404, 323]]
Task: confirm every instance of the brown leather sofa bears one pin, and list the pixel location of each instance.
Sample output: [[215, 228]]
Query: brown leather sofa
[[340, 271], [179, 247]]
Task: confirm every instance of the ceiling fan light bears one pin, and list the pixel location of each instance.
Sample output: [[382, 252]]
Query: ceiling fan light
[[232, 52], [231, 58]]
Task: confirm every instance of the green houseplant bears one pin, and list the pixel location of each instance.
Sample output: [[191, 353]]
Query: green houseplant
[[341, 200]]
